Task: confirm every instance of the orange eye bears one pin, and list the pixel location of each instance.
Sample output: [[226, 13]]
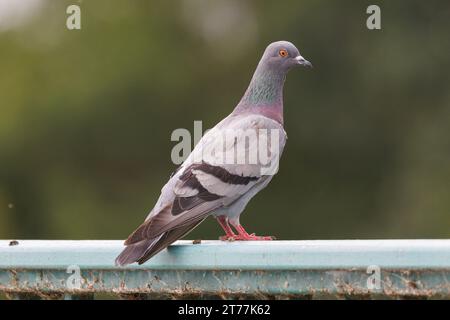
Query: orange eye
[[283, 53]]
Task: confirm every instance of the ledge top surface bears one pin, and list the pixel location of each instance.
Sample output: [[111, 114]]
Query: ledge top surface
[[218, 255]]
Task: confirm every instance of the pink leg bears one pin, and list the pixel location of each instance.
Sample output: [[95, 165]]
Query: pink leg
[[244, 236], [229, 234]]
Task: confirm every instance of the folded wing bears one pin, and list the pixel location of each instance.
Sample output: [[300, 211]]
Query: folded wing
[[214, 176]]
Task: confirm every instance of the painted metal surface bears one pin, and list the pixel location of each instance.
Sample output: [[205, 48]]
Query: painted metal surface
[[278, 269]]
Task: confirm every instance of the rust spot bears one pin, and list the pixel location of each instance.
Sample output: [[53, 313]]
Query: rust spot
[[13, 243], [198, 241], [412, 284]]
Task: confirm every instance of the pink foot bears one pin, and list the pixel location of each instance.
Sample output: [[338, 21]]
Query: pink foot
[[244, 236], [229, 234]]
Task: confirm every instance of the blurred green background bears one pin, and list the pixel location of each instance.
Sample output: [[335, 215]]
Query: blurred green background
[[86, 116]]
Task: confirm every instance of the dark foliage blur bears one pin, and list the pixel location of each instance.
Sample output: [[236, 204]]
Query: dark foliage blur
[[86, 115]]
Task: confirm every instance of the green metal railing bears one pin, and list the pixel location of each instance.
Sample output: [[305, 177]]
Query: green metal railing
[[214, 269]]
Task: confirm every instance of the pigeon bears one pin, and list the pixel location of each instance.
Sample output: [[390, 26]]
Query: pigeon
[[224, 171]]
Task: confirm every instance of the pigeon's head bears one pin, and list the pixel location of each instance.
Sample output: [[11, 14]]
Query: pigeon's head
[[283, 55]]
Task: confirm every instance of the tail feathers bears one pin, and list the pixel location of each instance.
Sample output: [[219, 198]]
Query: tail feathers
[[134, 252], [143, 250]]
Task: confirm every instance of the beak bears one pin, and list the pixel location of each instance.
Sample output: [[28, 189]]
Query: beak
[[302, 61]]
